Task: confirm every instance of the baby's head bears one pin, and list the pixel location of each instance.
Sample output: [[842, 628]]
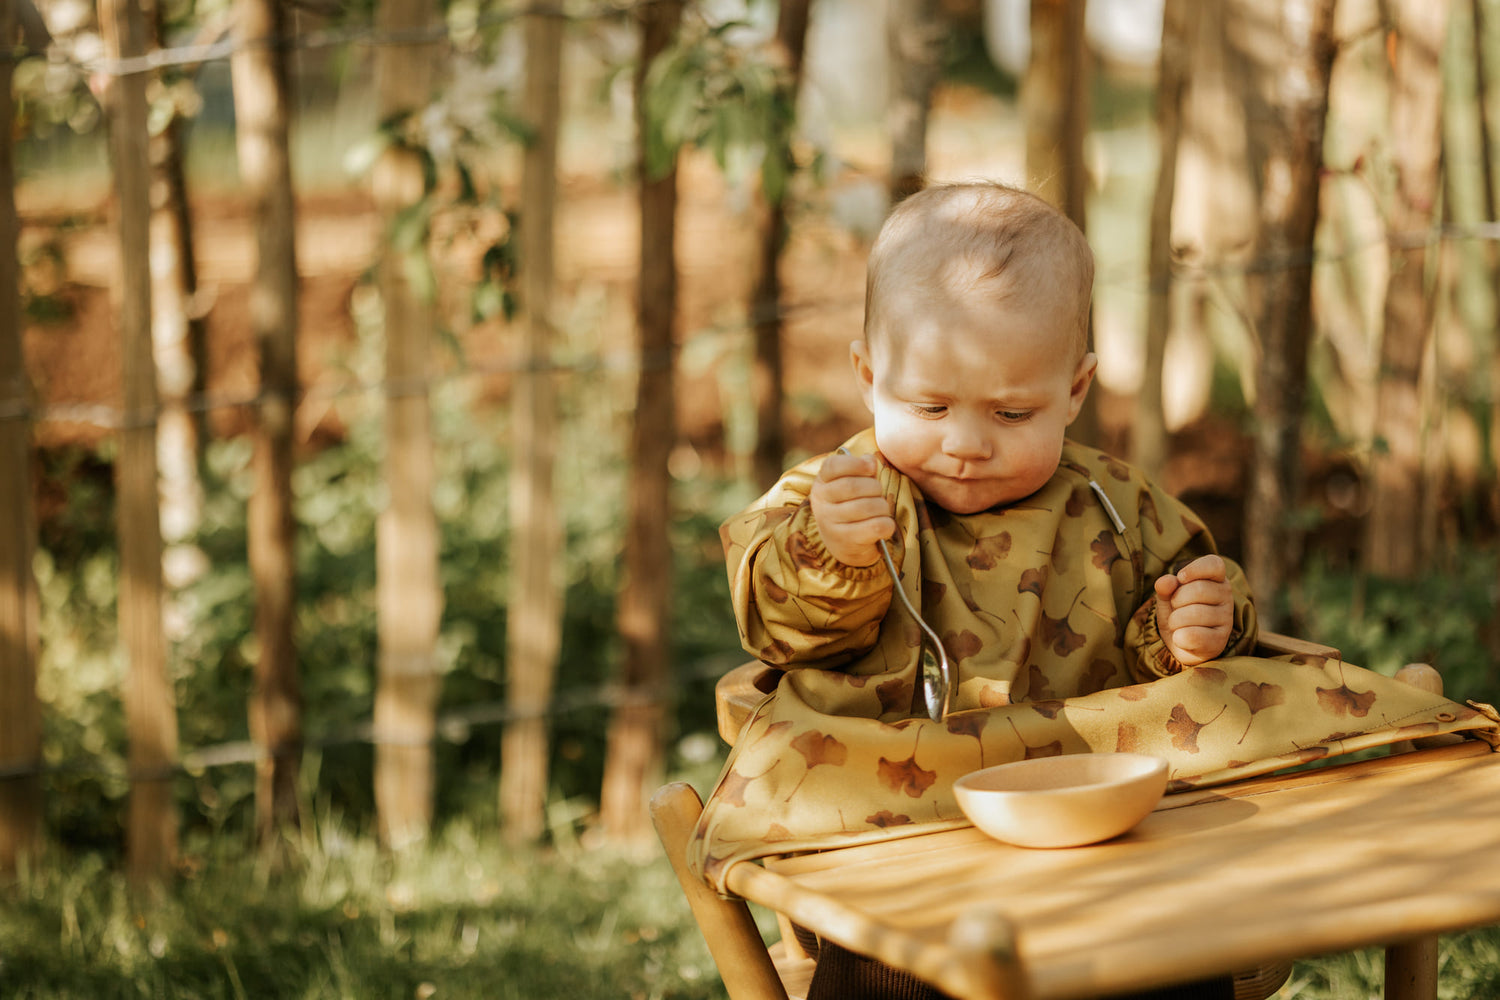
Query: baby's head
[[975, 355]]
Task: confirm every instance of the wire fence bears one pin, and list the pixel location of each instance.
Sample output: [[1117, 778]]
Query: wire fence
[[451, 726]]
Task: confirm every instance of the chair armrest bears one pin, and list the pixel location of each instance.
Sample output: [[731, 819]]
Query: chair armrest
[[1276, 644], [740, 692]]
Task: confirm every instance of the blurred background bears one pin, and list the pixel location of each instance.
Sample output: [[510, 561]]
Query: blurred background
[[374, 378]]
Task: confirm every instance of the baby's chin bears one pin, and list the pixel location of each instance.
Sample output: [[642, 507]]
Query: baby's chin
[[963, 497]]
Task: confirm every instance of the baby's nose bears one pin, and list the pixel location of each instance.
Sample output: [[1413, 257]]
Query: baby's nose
[[965, 441]]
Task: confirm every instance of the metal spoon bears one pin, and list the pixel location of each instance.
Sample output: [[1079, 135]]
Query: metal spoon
[[936, 689]]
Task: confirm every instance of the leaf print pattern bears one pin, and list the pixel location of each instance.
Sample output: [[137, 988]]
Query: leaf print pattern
[[1059, 636], [905, 776], [819, 748], [1344, 700], [1033, 581], [1185, 730], [1106, 550], [803, 554], [1258, 697], [990, 551]]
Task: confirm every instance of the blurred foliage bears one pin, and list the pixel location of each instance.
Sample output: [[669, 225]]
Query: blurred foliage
[[1447, 618], [713, 91]]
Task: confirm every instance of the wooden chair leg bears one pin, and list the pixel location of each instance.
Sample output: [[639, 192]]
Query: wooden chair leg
[[733, 939], [1411, 969]]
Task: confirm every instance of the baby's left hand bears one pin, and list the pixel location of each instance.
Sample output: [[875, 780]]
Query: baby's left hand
[[1195, 610]]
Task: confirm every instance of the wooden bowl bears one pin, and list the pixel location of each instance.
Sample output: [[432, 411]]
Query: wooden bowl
[[1062, 801]]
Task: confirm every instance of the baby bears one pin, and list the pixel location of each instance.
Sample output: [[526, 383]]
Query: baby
[[1050, 570]]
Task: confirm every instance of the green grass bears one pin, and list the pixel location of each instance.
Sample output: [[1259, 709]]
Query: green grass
[[463, 917]]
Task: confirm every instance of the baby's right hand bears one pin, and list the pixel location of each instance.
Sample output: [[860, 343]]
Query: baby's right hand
[[851, 511]]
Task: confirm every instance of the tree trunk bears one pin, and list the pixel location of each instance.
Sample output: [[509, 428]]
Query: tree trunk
[[632, 762], [261, 101], [768, 377], [178, 342], [1292, 55], [534, 613], [916, 35], [21, 736], [1392, 536], [150, 719], [409, 595], [1179, 28], [1055, 101]]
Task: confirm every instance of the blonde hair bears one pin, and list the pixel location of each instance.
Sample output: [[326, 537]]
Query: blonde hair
[[971, 238]]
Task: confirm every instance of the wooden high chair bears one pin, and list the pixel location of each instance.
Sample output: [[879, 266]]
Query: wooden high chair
[[751, 970]]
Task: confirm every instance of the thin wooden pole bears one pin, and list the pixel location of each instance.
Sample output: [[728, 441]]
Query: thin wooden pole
[[1149, 435], [409, 595], [1392, 528], [1287, 149], [150, 718], [262, 99], [534, 610], [768, 375], [633, 757], [21, 736]]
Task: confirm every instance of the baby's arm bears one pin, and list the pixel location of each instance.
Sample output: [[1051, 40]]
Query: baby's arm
[[850, 508], [1195, 610]]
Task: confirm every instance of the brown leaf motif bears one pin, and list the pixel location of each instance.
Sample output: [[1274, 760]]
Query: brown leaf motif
[[1149, 512], [732, 788], [1106, 550], [905, 776], [771, 590], [820, 748], [1344, 700], [1057, 633], [1184, 728], [1032, 581], [894, 695], [1036, 683], [962, 645], [885, 818], [989, 551], [1053, 749], [1097, 677], [1258, 697], [1127, 738], [967, 723], [802, 552], [1049, 709]]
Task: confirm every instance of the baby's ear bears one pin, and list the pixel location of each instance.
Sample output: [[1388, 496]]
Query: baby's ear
[[864, 371], [1083, 377]]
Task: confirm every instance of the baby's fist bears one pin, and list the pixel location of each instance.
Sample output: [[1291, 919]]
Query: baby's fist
[[1195, 610], [851, 510]]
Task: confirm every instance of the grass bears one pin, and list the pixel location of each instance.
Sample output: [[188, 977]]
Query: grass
[[462, 917]]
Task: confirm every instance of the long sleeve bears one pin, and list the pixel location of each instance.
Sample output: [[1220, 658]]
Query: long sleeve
[[1171, 537], [793, 603]]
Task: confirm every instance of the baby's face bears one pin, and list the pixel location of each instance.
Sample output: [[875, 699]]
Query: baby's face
[[972, 397]]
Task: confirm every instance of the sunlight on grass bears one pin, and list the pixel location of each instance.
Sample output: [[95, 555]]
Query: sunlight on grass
[[460, 918]]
